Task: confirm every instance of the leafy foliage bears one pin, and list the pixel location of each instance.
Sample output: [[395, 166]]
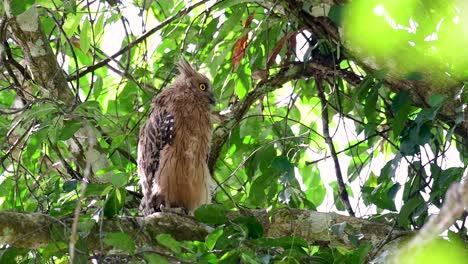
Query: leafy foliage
[[275, 154]]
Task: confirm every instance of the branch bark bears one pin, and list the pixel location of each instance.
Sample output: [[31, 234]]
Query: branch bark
[[32, 230], [46, 72]]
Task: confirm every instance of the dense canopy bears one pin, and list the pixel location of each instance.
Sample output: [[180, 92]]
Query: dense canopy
[[341, 126]]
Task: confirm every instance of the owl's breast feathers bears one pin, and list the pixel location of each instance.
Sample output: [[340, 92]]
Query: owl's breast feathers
[[173, 146]]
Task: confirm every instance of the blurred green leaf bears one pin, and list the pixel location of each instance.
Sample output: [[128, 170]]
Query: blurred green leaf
[[119, 179], [85, 36], [70, 128], [212, 214], [169, 242], [255, 229], [18, 7], [155, 259], [114, 202], [211, 238], [407, 209], [401, 106], [120, 241], [69, 186]]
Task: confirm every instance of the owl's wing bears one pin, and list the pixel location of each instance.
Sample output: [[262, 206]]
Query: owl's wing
[[157, 132]]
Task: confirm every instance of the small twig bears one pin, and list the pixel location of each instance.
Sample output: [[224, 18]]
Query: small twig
[[339, 176], [84, 185]]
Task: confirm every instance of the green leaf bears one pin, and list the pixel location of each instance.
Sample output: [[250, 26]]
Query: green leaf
[[69, 129], [71, 23], [70, 185], [10, 255], [114, 202], [359, 255], [49, 4], [7, 97], [121, 241], [95, 189], [436, 100], [407, 209], [241, 89], [339, 229], [371, 103], [18, 7], [125, 103], [230, 257], [382, 195], [98, 27], [155, 259], [56, 249], [257, 193], [255, 229], [70, 6], [97, 87], [85, 36], [363, 89], [212, 214], [86, 226], [402, 106], [119, 179], [286, 169], [389, 169], [169, 242], [248, 257], [211, 238], [336, 13]]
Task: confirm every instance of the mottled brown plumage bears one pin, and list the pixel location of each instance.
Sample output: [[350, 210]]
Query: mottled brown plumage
[[174, 144]]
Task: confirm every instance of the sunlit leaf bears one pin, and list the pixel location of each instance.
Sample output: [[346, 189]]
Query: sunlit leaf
[[85, 36]]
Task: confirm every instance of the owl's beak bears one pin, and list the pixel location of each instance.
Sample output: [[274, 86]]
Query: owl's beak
[[212, 98]]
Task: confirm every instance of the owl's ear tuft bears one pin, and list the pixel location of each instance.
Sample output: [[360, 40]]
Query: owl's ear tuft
[[185, 67]]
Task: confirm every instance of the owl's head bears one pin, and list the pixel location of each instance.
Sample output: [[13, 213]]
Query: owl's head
[[196, 82]]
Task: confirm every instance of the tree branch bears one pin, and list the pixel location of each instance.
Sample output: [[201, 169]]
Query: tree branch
[[27, 31], [343, 193], [286, 74], [32, 230]]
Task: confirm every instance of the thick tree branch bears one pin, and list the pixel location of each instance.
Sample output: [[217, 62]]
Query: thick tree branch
[[32, 230], [27, 31]]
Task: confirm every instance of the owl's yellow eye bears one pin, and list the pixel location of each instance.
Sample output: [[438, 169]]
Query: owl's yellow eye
[[202, 86]]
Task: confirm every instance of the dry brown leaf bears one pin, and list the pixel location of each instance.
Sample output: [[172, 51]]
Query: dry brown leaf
[[240, 45]]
